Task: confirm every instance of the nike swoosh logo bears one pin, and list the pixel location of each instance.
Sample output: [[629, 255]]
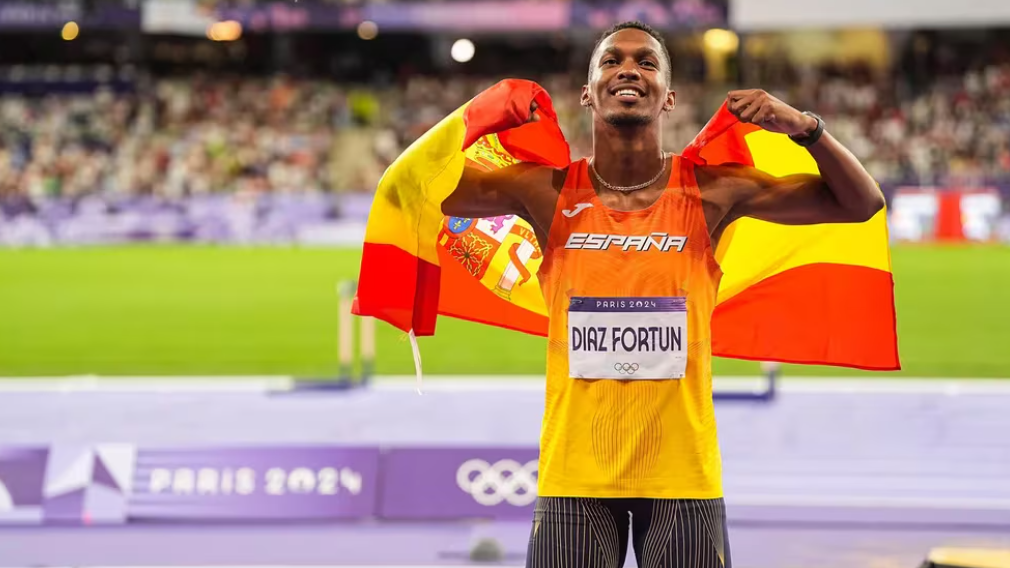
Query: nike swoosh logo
[[579, 207]]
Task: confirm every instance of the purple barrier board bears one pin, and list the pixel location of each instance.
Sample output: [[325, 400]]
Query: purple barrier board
[[441, 483], [22, 477], [254, 484]]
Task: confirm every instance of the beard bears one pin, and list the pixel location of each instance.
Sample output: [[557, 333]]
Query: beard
[[627, 119]]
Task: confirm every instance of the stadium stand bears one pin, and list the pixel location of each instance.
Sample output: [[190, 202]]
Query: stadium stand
[[194, 135]]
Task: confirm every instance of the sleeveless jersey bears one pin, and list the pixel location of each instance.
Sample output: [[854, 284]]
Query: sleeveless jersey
[[625, 436]]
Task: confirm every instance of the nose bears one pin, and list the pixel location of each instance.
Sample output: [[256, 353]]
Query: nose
[[629, 71]]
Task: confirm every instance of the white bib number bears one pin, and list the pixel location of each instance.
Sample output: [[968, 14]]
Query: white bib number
[[627, 338]]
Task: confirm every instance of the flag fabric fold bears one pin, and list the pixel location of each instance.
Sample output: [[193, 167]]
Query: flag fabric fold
[[820, 294]]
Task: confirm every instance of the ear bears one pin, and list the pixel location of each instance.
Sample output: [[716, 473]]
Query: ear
[[671, 101], [585, 100]]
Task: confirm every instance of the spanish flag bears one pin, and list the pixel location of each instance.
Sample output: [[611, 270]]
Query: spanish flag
[[820, 294]]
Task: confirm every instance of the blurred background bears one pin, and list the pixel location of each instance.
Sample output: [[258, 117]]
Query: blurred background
[[184, 186]]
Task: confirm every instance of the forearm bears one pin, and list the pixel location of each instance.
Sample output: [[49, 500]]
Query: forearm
[[843, 193], [849, 182]]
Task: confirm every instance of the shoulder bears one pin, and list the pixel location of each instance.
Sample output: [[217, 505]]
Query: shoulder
[[560, 175]]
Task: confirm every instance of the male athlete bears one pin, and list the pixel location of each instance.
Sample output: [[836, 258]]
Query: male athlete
[[629, 280]]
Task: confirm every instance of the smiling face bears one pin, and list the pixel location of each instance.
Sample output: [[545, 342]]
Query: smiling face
[[628, 79]]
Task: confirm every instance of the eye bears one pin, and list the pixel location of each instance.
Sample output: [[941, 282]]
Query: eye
[[610, 61], [647, 63]]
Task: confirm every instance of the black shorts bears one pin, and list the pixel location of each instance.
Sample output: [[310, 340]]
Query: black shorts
[[575, 532]]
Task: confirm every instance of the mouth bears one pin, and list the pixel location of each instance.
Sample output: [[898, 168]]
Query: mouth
[[628, 94]]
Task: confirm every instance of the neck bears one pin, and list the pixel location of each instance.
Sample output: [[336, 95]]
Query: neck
[[626, 155]]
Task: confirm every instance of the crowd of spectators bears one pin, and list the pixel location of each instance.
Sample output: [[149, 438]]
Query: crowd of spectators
[[956, 132], [196, 135], [174, 138]]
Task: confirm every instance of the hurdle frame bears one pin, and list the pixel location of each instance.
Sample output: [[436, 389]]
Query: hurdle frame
[[355, 349], [346, 290], [771, 371]]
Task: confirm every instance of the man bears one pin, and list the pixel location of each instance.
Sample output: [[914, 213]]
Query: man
[[629, 279]]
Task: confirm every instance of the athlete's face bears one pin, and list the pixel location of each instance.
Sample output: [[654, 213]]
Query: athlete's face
[[628, 79]]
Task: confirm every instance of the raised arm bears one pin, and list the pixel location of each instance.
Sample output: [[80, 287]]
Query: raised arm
[[843, 193], [484, 193]]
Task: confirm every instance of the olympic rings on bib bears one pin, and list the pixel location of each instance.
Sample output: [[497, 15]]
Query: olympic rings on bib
[[626, 368], [505, 480]]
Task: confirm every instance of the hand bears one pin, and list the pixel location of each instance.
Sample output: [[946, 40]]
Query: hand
[[758, 107], [534, 117]]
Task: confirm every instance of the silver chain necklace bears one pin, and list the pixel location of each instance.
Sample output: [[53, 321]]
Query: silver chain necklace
[[631, 187]]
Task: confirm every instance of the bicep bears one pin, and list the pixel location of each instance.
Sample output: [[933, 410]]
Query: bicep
[[484, 193], [801, 199]]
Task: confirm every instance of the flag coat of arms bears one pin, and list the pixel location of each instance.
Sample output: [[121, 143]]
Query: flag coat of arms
[[816, 294]]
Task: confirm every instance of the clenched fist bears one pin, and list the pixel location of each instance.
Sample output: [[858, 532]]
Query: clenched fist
[[758, 107]]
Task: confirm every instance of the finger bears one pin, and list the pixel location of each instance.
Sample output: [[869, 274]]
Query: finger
[[757, 102], [739, 94], [765, 115], [739, 105], [752, 111], [743, 102]]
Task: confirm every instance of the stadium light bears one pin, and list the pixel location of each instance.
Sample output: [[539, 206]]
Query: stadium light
[[462, 50], [723, 41], [229, 30], [70, 31], [368, 30]]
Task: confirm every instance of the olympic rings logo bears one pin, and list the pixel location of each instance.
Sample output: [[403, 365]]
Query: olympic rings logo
[[626, 368], [505, 480]]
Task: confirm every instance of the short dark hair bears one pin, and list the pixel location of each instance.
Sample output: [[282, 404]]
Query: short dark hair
[[641, 26]]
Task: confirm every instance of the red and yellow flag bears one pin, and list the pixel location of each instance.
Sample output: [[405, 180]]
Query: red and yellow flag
[[815, 294], [820, 294]]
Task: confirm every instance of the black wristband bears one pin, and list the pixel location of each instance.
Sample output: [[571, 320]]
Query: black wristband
[[807, 140]]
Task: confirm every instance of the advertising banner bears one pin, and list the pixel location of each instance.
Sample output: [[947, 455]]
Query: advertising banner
[[29, 15], [89, 484], [65, 484], [779, 15], [913, 214], [119, 483], [303, 218], [981, 214], [263, 483], [440, 483], [486, 15], [189, 16], [22, 476], [946, 214], [666, 15]]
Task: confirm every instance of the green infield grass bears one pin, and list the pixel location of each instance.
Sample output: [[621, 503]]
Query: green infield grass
[[195, 310]]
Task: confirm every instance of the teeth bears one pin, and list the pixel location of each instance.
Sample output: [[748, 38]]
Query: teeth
[[627, 92]]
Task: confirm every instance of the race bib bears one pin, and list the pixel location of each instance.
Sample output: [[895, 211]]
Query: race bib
[[627, 338]]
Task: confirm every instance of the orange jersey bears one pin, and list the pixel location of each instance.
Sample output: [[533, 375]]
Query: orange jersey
[[630, 297]]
